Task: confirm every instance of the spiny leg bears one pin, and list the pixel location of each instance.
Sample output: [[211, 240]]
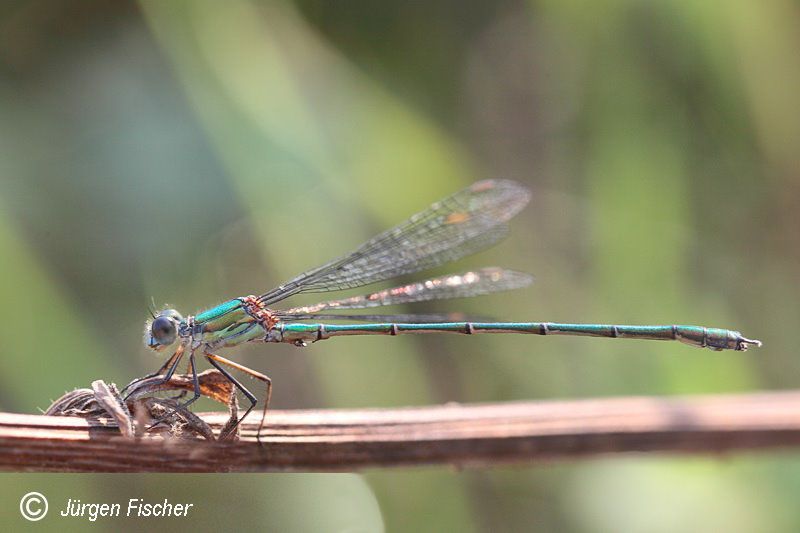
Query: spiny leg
[[167, 369], [216, 360], [195, 383]]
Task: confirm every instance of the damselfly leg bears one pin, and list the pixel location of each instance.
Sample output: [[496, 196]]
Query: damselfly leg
[[217, 361]]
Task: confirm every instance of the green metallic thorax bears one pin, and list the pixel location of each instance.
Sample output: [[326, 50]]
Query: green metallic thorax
[[225, 325]]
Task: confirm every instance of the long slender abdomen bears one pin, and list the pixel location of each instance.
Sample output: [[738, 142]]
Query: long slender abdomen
[[714, 338]]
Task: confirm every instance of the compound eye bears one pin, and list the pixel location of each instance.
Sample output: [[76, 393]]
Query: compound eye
[[163, 330]]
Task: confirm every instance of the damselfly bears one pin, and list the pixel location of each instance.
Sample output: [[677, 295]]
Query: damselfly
[[464, 223]]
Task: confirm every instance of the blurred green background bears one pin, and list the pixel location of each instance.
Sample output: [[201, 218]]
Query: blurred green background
[[197, 151]]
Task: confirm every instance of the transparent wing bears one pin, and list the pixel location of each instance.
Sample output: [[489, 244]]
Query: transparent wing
[[406, 318], [466, 222], [466, 284]]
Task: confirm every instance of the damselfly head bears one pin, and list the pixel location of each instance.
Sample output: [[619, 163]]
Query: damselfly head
[[162, 331]]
